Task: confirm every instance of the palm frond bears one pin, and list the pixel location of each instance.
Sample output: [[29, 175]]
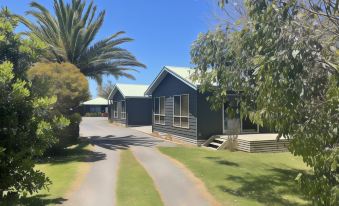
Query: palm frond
[[69, 36]]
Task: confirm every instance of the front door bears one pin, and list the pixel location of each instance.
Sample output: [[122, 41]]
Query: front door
[[231, 121], [248, 127]]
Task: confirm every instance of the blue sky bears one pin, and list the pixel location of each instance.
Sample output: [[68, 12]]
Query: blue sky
[[163, 29]]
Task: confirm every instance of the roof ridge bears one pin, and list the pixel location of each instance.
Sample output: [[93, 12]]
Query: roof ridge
[[132, 84]]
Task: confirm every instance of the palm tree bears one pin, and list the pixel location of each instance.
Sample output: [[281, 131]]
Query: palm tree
[[69, 37]]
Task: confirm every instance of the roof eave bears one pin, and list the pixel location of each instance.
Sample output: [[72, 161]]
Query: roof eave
[[151, 88]]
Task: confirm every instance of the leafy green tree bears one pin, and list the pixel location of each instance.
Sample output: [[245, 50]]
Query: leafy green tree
[[69, 36], [69, 86], [22, 53], [284, 63], [27, 125], [27, 129]]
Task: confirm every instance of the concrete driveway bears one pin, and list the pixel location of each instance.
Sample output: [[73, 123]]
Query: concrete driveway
[[175, 186]]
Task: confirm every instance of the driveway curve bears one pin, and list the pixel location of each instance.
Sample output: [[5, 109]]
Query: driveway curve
[[98, 187]]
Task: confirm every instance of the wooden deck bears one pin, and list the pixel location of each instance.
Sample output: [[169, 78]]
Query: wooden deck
[[261, 143]]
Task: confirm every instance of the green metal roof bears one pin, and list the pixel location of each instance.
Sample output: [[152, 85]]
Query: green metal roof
[[182, 73], [96, 101], [129, 90]]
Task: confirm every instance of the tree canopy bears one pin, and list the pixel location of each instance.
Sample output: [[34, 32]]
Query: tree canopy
[[284, 62], [27, 125], [62, 80], [69, 36]]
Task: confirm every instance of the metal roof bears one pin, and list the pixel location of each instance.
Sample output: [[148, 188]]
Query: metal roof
[[129, 90], [96, 101], [182, 73]]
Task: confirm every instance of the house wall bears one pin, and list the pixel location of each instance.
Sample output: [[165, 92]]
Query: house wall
[[92, 109], [209, 121], [139, 111], [169, 87], [117, 97]]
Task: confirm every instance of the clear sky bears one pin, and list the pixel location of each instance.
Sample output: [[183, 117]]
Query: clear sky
[[163, 30]]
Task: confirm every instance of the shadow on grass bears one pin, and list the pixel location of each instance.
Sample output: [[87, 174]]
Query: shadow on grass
[[41, 200], [221, 161], [267, 189], [75, 154]]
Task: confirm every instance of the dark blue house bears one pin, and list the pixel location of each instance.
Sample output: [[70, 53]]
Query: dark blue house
[[128, 105], [181, 110]]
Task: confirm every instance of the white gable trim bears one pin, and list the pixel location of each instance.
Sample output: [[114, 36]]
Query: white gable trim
[[162, 75], [114, 91]]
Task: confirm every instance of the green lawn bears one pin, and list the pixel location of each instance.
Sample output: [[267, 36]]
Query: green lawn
[[238, 178], [64, 171], [135, 186]]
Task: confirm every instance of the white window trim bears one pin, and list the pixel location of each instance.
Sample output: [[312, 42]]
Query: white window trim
[[123, 112], [115, 112], [159, 114], [180, 116]]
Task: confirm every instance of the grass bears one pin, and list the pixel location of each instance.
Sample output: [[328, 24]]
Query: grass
[[135, 186], [64, 171], [239, 178]]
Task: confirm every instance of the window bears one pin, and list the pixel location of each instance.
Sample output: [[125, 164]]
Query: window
[[95, 109], [159, 110], [181, 110], [123, 109], [115, 109]]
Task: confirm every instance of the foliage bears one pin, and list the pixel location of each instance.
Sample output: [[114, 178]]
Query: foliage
[[93, 114], [27, 126], [27, 129], [284, 61], [74, 160], [70, 86], [63, 80], [20, 52], [69, 36], [232, 142], [105, 90]]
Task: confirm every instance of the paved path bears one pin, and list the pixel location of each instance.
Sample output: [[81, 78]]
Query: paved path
[[175, 187], [98, 188]]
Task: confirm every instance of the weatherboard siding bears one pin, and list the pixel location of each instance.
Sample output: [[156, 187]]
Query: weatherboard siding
[[209, 121], [169, 87], [139, 111]]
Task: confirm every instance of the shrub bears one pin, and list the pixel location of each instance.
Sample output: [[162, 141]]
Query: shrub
[[27, 129], [70, 86]]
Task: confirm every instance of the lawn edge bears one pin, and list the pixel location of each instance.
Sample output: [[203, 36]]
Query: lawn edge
[[198, 182], [154, 185], [76, 184]]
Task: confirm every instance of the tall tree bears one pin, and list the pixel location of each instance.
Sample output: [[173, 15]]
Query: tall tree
[[285, 62], [70, 87], [105, 90], [69, 36], [27, 123]]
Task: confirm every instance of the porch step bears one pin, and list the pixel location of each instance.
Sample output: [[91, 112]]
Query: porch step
[[215, 142], [250, 143]]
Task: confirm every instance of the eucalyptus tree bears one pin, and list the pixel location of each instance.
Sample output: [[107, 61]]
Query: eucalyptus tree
[[285, 62], [69, 36]]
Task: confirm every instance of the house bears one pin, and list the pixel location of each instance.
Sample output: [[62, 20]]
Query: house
[[179, 109], [94, 107], [128, 105]]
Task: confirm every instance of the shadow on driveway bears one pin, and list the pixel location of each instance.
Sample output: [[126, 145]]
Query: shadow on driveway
[[112, 142]]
